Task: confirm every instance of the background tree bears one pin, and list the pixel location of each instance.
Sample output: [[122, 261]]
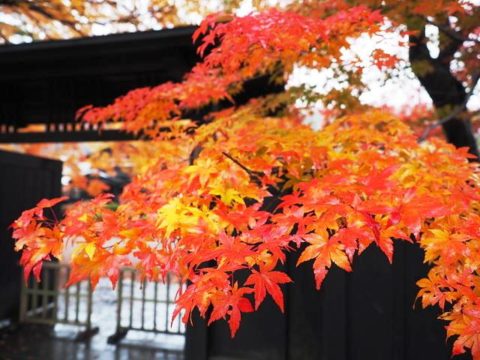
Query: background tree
[[53, 19], [23, 20], [247, 183], [450, 76]]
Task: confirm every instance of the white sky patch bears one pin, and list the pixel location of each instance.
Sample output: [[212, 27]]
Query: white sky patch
[[402, 92], [474, 102], [433, 43], [404, 89]]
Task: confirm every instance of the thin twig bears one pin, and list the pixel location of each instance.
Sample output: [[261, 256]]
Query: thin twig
[[195, 154], [254, 175], [451, 33], [453, 114]]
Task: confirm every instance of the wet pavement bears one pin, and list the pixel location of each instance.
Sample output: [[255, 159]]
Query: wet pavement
[[43, 342], [38, 342]]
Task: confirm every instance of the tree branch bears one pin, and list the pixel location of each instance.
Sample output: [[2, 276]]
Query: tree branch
[[455, 35], [195, 154], [448, 45], [453, 114], [255, 176]]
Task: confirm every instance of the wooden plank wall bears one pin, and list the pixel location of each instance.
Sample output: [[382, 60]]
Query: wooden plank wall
[[364, 315], [24, 180]]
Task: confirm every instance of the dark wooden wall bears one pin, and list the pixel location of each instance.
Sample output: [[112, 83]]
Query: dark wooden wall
[[364, 315], [47, 82], [24, 180]]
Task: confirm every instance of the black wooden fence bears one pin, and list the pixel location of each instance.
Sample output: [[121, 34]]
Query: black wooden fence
[[364, 315], [24, 180]]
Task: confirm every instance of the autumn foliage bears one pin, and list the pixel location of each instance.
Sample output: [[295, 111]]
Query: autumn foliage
[[245, 186]]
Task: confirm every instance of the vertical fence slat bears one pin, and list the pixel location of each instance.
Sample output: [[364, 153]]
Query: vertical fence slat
[[167, 303], [132, 282], [155, 302], [44, 286], [77, 302], [120, 300], [179, 322], [34, 295], [24, 301], [56, 289], [144, 284], [89, 306], [67, 296]]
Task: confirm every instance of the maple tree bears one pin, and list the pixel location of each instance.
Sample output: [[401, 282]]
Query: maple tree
[[245, 185]]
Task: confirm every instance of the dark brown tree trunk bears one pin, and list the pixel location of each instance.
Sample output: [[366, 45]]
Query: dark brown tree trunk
[[444, 89]]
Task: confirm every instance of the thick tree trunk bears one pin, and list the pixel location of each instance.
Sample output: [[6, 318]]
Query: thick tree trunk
[[445, 91]]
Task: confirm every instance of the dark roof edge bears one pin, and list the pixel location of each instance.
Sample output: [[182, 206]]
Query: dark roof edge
[[181, 31]]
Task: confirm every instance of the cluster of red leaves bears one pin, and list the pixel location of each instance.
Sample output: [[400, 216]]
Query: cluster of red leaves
[[37, 237], [362, 180], [271, 42], [246, 189]]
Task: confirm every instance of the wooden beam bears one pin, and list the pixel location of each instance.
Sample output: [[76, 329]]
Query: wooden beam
[[61, 136]]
